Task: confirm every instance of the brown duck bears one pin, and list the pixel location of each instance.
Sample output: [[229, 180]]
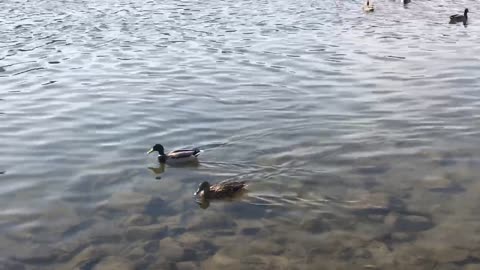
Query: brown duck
[[223, 190]]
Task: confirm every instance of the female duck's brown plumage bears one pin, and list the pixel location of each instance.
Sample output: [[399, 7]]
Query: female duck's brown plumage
[[176, 156], [222, 190]]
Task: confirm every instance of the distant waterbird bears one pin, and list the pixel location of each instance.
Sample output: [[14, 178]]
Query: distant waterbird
[[368, 6], [459, 18], [180, 156]]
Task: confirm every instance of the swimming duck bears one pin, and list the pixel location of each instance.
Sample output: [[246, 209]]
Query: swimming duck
[[459, 18], [175, 156], [368, 7], [223, 190]]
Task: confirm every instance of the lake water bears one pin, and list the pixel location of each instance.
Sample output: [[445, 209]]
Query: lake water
[[358, 134]]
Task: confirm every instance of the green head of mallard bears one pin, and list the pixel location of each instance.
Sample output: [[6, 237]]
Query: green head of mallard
[[157, 148], [204, 186]]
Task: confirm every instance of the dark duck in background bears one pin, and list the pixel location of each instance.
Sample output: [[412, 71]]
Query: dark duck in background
[[460, 18]]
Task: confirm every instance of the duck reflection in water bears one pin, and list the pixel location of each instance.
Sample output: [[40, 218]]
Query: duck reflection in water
[[204, 204], [226, 190], [162, 167], [158, 171]]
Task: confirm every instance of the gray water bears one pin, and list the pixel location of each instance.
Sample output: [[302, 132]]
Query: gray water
[[358, 134]]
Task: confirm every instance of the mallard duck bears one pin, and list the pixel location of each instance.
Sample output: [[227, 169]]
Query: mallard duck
[[368, 7], [175, 156], [222, 190], [459, 18]]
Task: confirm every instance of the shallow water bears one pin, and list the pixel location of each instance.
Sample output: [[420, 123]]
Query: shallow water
[[358, 134]]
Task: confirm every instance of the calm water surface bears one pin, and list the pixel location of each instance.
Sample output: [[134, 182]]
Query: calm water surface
[[359, 134]]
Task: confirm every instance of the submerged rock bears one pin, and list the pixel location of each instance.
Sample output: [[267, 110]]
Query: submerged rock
[[40, 256], [381, 255], [170, 249], [315, 225], [265, 247], [475, 253], [251, 231], [450, 266], [10, 265], [212, 221], [161, 264], [264, 262], [472, 266], [402, 237], [114, 263], [390, 219], [196, 248], [243, 248], [156, 207], [220, 261], [186, 266], [337, 244], [447, 159], [441, 184], [260, 262], [146, 262], [87, 257], [136, 253], [151, 246], [376, 217], [411, 256], [374, 169], [76, 228], [138, 220], [372, 204], [413, 223], [175, 225], [450, 254], [126, 201], [155, 231], [246, 211]]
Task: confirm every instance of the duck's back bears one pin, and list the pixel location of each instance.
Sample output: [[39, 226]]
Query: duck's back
[[227, 188], [183, 153]]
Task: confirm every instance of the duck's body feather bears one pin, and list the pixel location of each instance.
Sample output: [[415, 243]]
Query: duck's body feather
[[223, 190], [176, 156], [459, 18], [183, 153], [180, 156]]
